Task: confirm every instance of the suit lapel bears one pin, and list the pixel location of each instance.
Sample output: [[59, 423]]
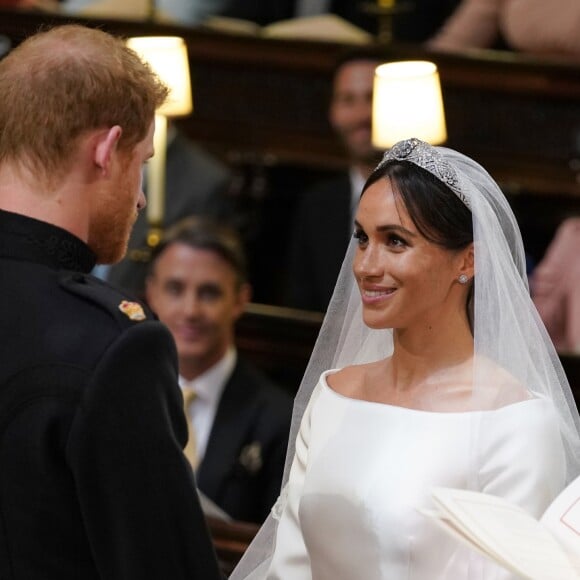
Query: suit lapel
[[232, 422]]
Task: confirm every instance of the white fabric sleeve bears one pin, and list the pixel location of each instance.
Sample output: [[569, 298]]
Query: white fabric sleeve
[[523, 461], [523, 458], [291, 560]]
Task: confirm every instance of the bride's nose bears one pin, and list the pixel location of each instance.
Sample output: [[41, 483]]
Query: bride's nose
[[368, 262]]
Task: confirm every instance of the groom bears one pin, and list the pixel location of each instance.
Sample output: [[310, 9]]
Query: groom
[[94, 481]]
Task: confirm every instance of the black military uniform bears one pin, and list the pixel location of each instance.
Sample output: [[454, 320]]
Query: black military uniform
[[93, 482]]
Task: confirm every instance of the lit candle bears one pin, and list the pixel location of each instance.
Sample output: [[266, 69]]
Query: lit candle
[[156, 174], [167, 56]]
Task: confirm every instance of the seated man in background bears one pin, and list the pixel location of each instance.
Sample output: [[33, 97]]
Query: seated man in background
[[239, 421], [555, 287], [324, 218]]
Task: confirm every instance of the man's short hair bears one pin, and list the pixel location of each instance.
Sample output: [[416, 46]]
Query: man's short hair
[[61, 83], [350, 55], [203, 233]]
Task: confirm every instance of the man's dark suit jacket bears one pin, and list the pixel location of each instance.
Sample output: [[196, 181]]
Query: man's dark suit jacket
[[320, 236], [94, 484], [244, 461]]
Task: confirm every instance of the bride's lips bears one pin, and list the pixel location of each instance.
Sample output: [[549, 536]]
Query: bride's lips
[[375, 294]]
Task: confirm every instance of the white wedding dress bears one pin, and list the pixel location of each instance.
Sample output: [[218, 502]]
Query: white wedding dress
[[362, 469]]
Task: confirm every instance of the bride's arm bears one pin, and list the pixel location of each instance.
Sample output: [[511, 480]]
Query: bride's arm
[[523, 456], [290, 559], [522, 460]]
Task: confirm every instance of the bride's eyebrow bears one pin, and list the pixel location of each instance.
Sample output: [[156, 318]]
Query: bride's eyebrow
[[390, 228], [394, 228]]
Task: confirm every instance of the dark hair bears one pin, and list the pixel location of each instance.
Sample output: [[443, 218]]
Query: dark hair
[[439, 215], [359, 54], [203, 233]]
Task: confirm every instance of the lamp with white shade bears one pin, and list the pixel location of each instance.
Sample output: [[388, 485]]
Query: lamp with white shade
[[167, 57], [407, 102]]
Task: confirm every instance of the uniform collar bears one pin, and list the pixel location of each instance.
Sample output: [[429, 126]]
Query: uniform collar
[[31, 240]]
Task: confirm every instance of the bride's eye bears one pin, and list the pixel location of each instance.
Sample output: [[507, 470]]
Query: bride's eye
[[360, 236], [396, 241]]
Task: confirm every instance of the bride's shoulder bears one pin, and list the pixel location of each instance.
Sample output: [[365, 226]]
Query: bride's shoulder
[[349, 380], [500, 387]]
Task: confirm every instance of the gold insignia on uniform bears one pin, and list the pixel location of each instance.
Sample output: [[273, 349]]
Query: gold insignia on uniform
[[133, 310]]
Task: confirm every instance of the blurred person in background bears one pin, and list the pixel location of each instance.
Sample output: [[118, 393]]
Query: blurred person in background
[[239, 420], [323, 220]]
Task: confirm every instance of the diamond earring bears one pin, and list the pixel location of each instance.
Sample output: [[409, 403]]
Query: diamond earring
[[463, 279]]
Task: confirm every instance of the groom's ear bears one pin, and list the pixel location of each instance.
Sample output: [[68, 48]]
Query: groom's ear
[[105, 147]]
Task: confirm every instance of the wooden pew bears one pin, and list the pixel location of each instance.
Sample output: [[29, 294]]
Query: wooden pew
[[230, 540], [278, 340], [266, 100]]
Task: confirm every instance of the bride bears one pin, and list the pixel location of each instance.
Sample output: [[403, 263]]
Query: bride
[[432, 368]]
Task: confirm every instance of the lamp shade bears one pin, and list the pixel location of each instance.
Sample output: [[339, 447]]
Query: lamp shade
[[407, 102], [167, 56]]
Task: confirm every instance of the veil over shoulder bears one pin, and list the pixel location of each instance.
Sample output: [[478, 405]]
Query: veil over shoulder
[[514, 358]]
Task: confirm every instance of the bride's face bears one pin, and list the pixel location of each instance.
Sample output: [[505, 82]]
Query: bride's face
[[404, 279]]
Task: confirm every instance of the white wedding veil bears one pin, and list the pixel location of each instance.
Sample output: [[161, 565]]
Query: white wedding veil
[[512, 348]]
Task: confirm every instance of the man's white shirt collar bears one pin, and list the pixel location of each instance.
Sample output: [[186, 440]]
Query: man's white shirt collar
[[209, 388], [210, 385]]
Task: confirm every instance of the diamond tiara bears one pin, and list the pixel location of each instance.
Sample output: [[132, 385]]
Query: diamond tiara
[[426, 156]]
